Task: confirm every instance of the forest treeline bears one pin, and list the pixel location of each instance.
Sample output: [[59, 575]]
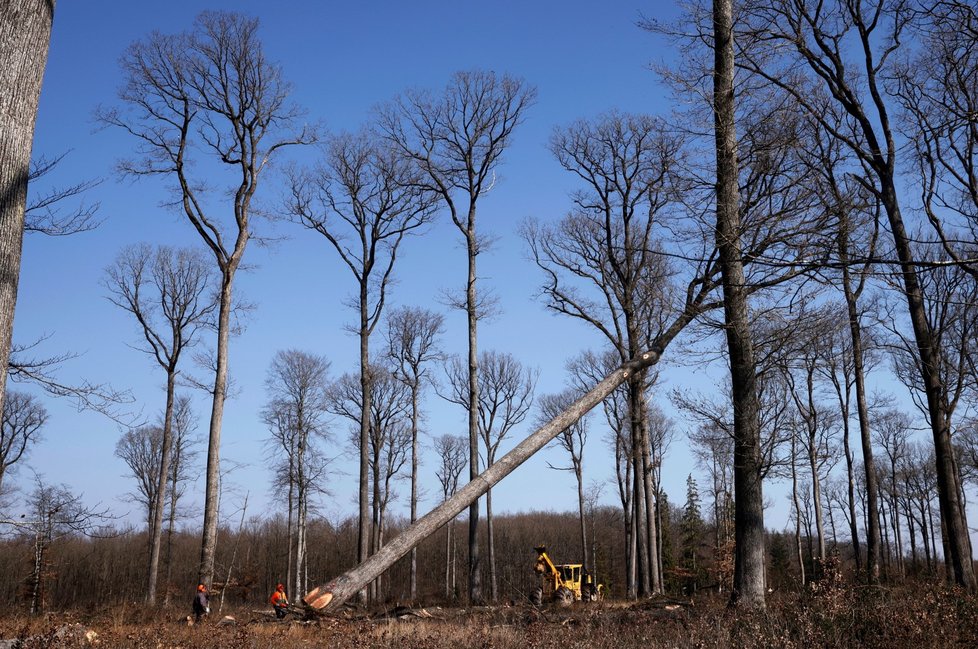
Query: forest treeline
[[808, 217], [93, 573]]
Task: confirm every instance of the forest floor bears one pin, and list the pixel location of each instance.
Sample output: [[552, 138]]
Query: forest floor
[[919, 617]]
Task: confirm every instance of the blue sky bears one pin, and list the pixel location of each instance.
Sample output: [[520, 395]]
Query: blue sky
[[343, 59]]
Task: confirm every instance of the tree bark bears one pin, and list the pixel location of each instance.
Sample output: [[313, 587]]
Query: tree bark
[[748, 587], [331, 596], [471, 306], [364, 524], [208, 544], [25, 33], [156, 529]]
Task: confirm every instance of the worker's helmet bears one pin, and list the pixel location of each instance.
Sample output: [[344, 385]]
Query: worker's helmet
[[201, 588], [280, 587]]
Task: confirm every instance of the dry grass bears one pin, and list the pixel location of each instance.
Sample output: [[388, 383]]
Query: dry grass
[[830, 616]]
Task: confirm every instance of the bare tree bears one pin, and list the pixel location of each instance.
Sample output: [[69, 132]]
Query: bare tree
[[140, 448], [854, 214], [892, 432], [364, 200], [505, 398], [171, 294], [23, 418], [451, 450], [389, 436], [609, 245], [297, 385], [182, 472], [55, 512], [25, 32], [210, 91], [412, 338], [457, 140]]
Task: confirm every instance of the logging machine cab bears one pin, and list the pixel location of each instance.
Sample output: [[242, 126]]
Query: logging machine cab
[[566, 582]]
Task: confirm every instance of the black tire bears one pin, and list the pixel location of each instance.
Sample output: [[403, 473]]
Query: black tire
[[564, 596], [536, 596]]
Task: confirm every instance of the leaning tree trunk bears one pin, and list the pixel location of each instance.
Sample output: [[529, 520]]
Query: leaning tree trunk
[[748, 587], [332, 595], [25, 32]]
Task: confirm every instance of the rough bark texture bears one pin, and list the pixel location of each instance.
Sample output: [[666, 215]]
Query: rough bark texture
[[208, 543], [748, 587], [471, 307], [331, 596], [25, 32]]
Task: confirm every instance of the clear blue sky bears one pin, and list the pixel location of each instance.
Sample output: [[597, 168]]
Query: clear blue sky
[[343, 58]]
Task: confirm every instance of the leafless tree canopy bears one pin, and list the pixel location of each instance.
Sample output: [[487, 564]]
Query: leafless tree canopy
[[23, 418]]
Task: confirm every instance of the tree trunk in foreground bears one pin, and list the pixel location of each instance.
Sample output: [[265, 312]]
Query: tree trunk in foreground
[[748, 586], [25, 32], [332, 595]]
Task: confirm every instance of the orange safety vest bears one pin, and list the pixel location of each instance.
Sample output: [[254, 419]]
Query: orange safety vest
[[279, 599]]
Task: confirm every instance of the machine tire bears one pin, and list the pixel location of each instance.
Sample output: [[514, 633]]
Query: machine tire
[[536, 596], [564, 596]]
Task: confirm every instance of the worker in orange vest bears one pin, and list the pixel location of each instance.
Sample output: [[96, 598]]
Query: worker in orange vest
[[280, 602], [201, 603]]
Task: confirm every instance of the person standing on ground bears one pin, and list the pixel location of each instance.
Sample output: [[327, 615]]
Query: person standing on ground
[[201, 604], [280, 602]]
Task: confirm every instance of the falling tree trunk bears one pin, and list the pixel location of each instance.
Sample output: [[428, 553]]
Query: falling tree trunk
[[332, 595], [748, 587], [25, 32]]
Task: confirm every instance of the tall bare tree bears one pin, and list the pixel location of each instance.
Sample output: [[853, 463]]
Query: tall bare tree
[[412, 338], [208, 94], [610, 241], [171, 294], [892, 432], [388, 441], [457, 140], [297, 387], [451, 450], [25, 32], [505, 398], [854, 214], [749, 584], [364, 199]]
